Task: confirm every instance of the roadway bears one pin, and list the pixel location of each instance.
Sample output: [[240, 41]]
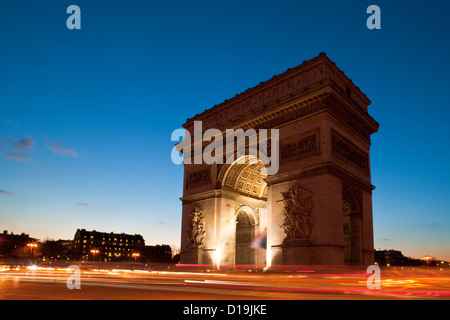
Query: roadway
[[184, 283]]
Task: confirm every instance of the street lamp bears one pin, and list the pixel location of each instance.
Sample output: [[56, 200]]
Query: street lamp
[[94, 251], [31, 246], [135, 255], [427, 258]]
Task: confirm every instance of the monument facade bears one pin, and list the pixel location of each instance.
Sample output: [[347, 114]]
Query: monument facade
[[317, 209]]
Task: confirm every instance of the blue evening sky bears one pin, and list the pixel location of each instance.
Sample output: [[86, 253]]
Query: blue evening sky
[[86, 115]]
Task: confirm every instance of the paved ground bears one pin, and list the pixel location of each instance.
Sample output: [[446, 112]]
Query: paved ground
[[44, 283]]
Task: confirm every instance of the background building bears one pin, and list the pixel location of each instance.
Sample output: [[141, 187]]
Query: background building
[[57, 249], [16, 245], [157, 254], [395, 258], [102, 246]]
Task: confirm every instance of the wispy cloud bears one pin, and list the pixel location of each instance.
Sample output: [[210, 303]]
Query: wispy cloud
[[56, 147], [12, 123], [18, 157], [6, 192], [82, 204], [162, 222], [23, 144]]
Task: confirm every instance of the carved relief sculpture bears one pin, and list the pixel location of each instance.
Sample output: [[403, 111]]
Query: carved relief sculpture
[[300, 146], [196, 231], [298, 206]]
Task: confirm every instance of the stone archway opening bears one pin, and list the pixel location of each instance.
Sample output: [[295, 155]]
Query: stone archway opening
[[246, 176], [245, 232], [243, 182], [352, 227]]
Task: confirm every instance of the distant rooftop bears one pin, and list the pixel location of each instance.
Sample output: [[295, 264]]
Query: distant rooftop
[[107, 233]]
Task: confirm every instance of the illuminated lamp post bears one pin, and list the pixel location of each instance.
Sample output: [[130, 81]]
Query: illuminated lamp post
[[94, 252], [427, 258], [31, 246], [135, 255]]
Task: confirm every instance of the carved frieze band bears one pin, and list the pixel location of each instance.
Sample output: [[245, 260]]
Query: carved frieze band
[[288, 114], [300, 146], [347, 150], [317, 104], [364, 126], [198, 177]]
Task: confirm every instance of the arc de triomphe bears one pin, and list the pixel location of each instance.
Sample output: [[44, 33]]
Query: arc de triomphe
[[317, 209]]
